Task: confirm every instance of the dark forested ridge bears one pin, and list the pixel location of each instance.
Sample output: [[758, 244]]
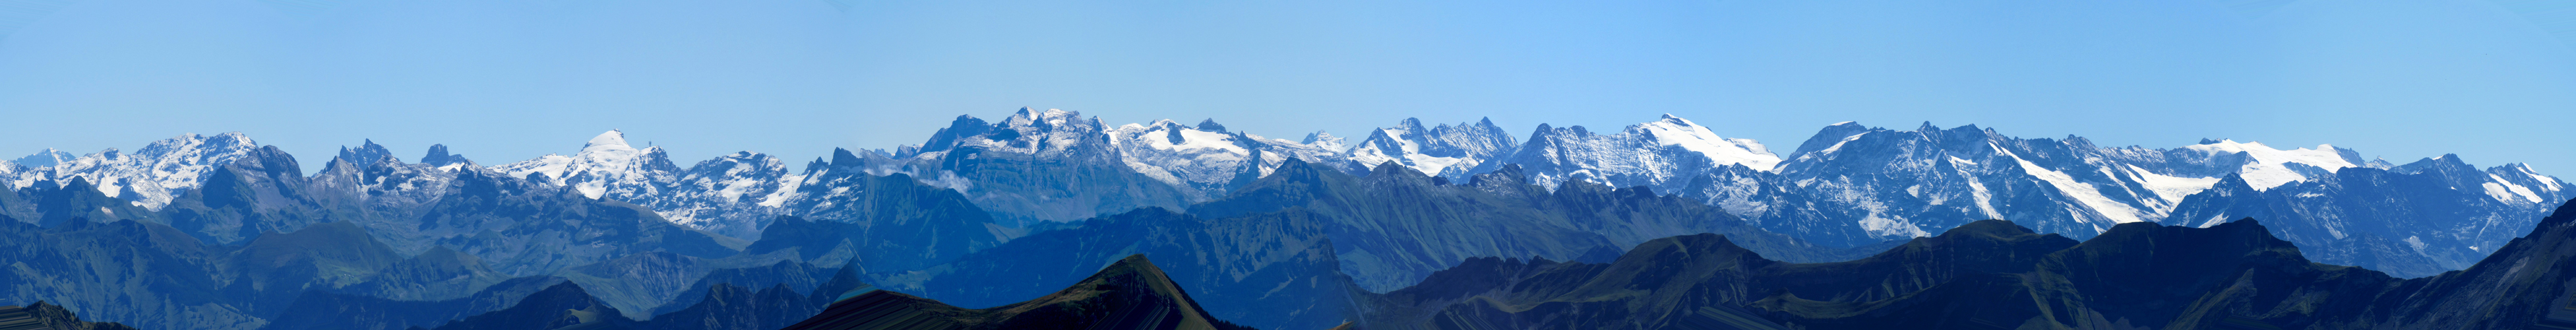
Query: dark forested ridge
[[1996, 275]]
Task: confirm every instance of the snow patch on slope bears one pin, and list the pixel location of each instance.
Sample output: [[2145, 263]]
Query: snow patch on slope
[[2084, 194], [2506, 191], [2171, 188], [2267, 169]]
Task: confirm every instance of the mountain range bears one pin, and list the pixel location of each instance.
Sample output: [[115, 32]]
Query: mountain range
[[219, 232]]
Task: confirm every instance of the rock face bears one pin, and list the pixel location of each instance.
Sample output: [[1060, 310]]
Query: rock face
[[1993, 274], [1129, 294]]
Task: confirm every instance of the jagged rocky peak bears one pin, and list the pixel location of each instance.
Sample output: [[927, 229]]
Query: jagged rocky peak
[[1447, 150], [1664, 154], [368, 155], [47, 158], [2512, 183], [1027, 131], [742, 176], [438, 156], [1207, 157], [1211, 126], [367, 152]]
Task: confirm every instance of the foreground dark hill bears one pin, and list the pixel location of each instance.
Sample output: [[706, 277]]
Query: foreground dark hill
[[567, 305], [41, 316], [1686, 279], [1274, 270], [1994, 275], [1129, 294]]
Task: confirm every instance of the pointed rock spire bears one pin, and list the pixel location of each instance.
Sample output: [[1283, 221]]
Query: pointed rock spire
[[1211, 126]]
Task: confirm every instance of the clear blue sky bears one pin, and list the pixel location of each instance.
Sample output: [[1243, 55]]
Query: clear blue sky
[[501, 81]]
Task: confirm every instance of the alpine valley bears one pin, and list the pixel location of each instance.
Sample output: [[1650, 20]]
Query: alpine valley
[[1049, 219]]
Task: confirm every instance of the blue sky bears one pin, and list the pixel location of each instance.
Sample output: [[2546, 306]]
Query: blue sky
[[501, 81]]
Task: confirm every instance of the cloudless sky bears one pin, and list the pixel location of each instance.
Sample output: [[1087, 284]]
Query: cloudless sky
[[502, 81]]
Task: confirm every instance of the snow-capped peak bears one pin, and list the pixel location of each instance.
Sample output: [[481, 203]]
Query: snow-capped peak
[[1324, 140], [1171, 135], [1450, 148], [611, 138], [605, 162], [150, 175], [1675, 131], [2268, 167]]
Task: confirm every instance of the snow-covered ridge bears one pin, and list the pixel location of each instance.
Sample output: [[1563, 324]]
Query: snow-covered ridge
[[1663, 154], [1678, 132], [724, 194], [2269, 167], [605, 162], [1444, 150], [150, 176], [1210, 158]]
